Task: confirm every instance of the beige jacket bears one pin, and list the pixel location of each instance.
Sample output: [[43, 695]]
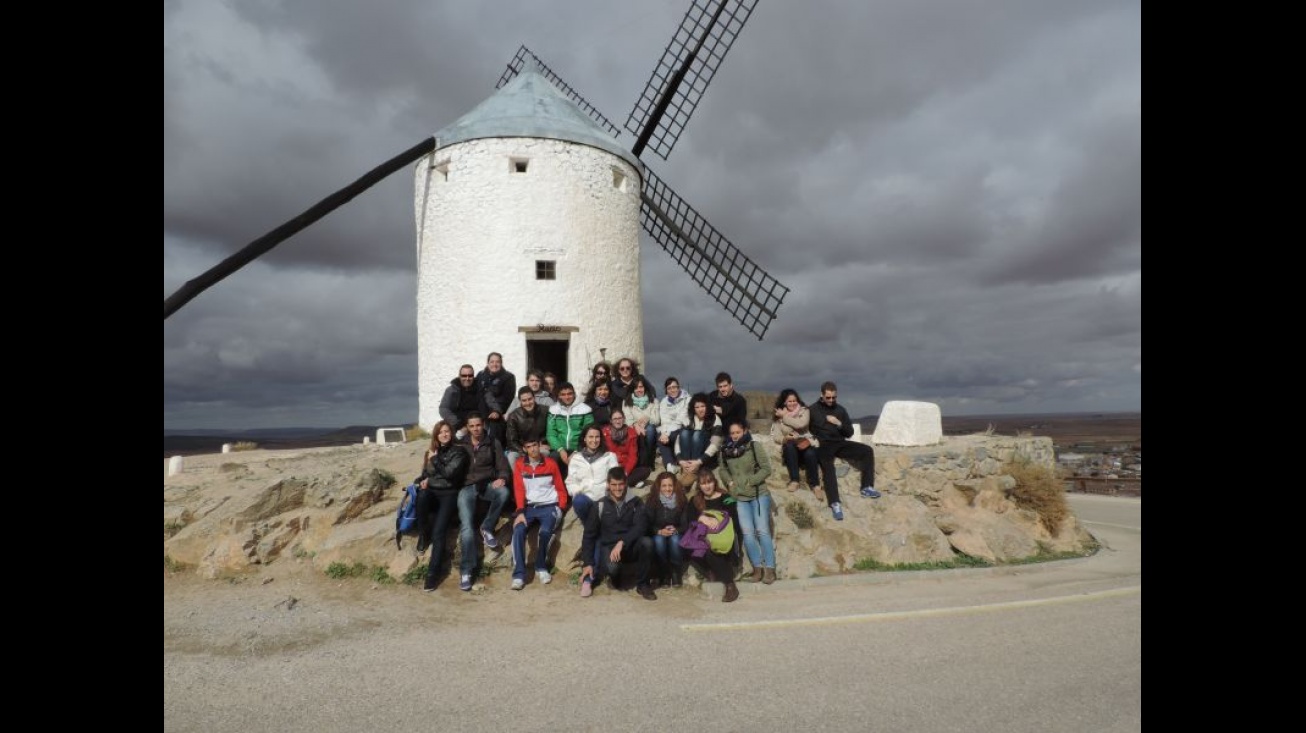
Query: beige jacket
[[787, 428]]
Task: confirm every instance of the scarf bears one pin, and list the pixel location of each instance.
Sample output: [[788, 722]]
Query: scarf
[[668, 502], [618, 434], [794, 412], [735, 450], [590, 455], [640, 402]]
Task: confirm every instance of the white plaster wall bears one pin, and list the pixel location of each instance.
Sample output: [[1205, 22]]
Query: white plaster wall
[[479, 234]]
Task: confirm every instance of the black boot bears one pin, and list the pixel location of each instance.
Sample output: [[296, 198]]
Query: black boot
[[732, 592], [677, 579]]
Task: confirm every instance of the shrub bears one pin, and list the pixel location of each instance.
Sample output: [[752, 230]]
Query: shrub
[[415, 575], [799, 515], [380, 575], [244, 445], [416, 432], [340, 570], [1039, 490]]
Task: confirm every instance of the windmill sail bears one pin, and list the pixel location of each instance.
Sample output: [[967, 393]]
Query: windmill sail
[[746, 291], [705, 35]]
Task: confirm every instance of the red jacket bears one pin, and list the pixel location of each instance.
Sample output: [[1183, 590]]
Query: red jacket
[[539, 478], [627, 451]]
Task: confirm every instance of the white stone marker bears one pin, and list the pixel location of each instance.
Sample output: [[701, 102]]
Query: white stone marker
[[907, 423], [367, 440], [226, 447], [174, 465]]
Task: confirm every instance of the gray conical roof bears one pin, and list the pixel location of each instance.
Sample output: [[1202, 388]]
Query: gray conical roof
[[530, 106]]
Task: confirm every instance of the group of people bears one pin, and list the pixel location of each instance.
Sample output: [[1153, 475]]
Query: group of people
[[557, 451]]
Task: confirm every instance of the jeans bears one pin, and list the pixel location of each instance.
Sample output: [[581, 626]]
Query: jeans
[[668, 451], [667, 550], [581, 504], [547, 516], [791, 457], [861, 455], [431, 529], [467, 513], [693, 443], [647, 441], [755, 527]]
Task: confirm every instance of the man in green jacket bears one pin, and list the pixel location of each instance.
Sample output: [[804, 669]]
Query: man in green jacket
[[567, 418]]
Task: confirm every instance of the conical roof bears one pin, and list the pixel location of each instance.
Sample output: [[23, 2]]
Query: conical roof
[[530, 106]]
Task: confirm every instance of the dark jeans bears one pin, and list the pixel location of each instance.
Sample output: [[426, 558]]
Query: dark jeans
[[669, 555], [719, 566], [435, 511], [639, 554], [860, 455], [548, 517], [694, 443], [808, 457], [668, 451]]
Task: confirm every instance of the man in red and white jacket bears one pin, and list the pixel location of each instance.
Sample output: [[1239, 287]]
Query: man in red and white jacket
[[541, 498]]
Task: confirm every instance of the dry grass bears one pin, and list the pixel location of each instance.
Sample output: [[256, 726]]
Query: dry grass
[[1039, 490], [244, 445], [799, 515], [416, 432]]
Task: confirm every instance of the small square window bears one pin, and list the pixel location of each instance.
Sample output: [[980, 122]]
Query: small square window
[[517, 165], [546, 270]]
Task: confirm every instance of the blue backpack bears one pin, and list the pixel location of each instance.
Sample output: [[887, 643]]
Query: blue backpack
[[406, 520]]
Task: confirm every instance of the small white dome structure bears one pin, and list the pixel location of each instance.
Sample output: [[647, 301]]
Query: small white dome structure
[[527, 242]]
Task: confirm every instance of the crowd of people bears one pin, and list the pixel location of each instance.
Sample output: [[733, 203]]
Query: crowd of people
[[544, 450]]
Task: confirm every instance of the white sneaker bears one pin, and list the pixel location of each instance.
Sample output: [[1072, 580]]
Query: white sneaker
[[543, 576], [640, 485], [674, 469], [518, 584]]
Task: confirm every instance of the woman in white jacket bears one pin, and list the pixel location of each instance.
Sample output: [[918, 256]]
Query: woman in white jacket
[[642, 414], [673, 411], [587, 471]]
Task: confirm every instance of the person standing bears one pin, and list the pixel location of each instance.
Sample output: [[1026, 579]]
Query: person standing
[[615, 534], [791, 429], [541, 499], [496, 388], [833, 428], [730, 406], [744, 470], [487, 480], [444, 473], [460, 400]]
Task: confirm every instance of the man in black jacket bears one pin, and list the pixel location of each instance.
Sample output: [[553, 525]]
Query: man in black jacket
[[616, 530], [833, 428], [729, 405], [460, 400], [528, 421], [495, 388]]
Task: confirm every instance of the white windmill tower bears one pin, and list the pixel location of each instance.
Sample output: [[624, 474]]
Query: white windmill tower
[[528, 215], [527, 241]]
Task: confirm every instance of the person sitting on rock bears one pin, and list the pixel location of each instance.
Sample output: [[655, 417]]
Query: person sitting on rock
[[833, 428], [541, 499], [615, 534]]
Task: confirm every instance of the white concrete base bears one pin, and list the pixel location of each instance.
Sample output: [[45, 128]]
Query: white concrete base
[[906, 423], [174, 465], [391, 436], [367, 439], [226, 447]]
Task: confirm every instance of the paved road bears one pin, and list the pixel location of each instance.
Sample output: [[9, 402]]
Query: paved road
[[1037, 648]]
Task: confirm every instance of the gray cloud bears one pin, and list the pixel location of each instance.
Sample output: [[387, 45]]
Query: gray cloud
[[952, 190]]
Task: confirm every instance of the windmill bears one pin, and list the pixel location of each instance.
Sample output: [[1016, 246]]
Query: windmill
[[528, 214]]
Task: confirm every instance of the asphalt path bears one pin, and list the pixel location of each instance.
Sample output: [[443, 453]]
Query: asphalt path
[[1043, 647]]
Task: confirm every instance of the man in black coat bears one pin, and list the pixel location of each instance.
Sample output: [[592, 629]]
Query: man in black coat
[[460, 399], [617, 530], [833, 428], [496, 388]]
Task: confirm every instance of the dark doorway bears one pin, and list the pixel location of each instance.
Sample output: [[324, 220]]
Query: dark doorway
[[548, 356]]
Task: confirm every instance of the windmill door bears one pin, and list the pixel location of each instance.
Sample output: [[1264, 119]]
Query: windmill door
[[548, 355]]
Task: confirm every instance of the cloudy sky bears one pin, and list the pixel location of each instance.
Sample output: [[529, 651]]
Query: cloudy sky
[[951, 188]]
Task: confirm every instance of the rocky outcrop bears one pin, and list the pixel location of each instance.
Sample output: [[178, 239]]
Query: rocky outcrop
[[224, 514]]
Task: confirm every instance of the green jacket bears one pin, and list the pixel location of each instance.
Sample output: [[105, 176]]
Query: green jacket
[[565, 424], [745, 476]]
